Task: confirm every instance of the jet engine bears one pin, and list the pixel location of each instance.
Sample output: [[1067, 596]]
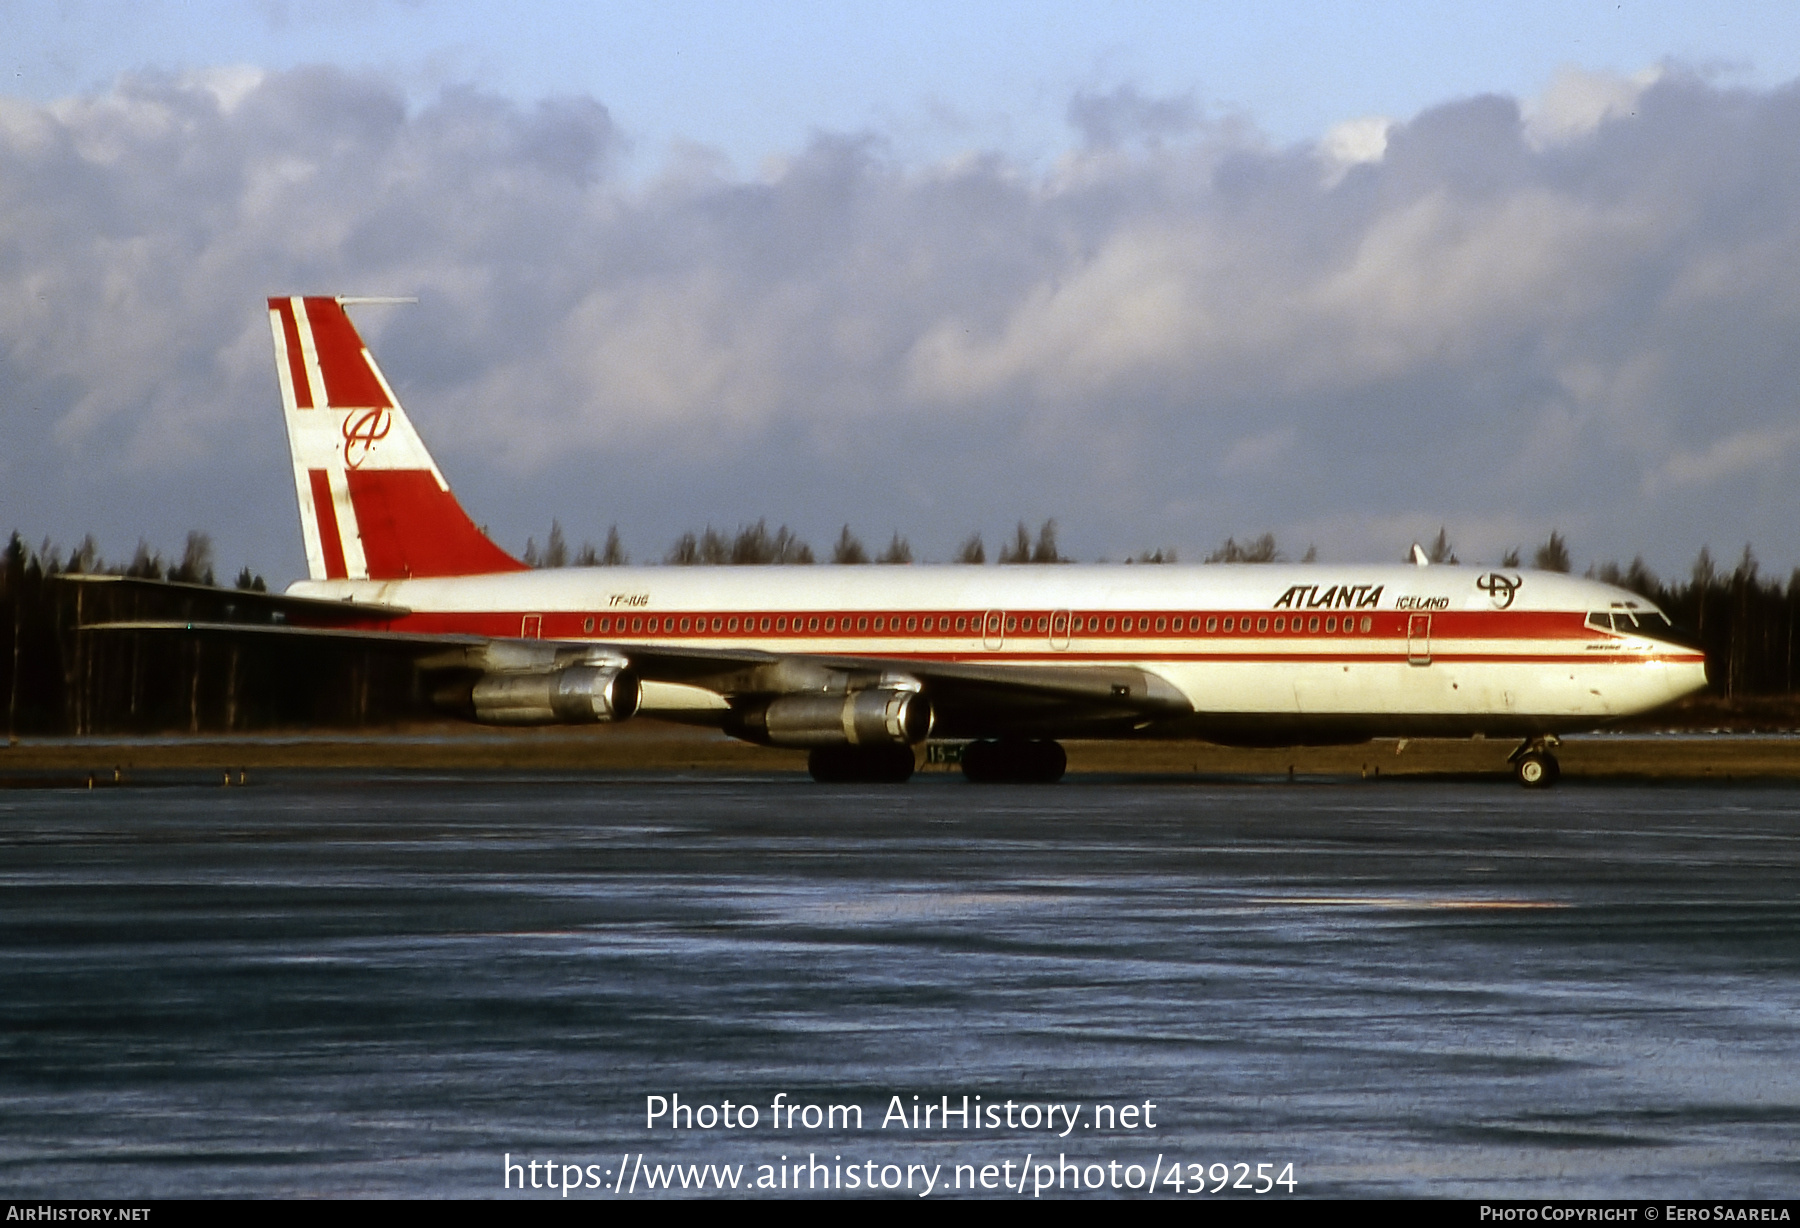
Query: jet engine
[[873, 717], [574, 695]]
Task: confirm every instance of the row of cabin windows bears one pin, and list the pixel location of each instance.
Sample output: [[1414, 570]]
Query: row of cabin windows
[[1329, 624]]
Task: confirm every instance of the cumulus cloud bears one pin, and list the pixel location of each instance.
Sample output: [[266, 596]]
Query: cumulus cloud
[[1579, 310]]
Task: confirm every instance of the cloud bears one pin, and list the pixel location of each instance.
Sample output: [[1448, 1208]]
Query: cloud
[[1734, 456], [1351, 144], [1578, 102], [1123, 116], [1578, 310]]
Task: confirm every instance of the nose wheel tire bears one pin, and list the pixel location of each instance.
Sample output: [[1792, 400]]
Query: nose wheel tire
[[1536, 769]]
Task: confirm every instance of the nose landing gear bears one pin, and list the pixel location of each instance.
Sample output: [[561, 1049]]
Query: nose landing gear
[[1534, 764]]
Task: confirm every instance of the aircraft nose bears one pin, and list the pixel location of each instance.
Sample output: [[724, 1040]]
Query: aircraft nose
[[1685, 676]]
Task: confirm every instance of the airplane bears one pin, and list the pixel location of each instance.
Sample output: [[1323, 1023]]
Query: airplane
[[861, 665]]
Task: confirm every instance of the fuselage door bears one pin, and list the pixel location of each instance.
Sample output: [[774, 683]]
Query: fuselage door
[[1418, 639], [1059, 630], [993, 630], [531, 627]]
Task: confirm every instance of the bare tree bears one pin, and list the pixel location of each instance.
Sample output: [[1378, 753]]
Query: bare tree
[[972, 551], [1510, 558], [714, 549]]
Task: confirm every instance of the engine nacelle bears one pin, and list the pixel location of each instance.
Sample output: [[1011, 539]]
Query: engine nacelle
[[575, 695], [873, 717]]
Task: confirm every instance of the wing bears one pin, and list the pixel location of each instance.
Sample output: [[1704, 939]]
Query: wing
[[969, 698]]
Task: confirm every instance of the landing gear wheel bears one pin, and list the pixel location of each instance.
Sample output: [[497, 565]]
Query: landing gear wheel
[[861, 765], [1014, 761], [1537, 769]]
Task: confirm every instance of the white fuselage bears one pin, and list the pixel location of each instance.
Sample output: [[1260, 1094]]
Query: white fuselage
[[1260, 652]]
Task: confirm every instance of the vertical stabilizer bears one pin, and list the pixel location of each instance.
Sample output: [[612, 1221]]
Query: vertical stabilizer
[[373, 504]]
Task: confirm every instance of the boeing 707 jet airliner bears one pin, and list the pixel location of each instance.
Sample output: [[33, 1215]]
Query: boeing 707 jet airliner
[[860, 665]]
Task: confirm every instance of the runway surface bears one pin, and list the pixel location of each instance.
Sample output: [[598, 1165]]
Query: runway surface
[[354, 984]]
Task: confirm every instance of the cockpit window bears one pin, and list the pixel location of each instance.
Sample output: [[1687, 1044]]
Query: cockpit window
[[1653, 623]]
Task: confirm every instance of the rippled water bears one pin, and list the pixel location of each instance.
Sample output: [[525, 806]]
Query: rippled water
[[350, 985]]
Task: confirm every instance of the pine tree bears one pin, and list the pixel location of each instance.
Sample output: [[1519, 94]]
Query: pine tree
[[1553, 555], [849, 548], [899, 550]]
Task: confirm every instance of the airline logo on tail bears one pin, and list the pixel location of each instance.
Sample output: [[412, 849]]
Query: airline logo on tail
[[373, 504], [364, 431]]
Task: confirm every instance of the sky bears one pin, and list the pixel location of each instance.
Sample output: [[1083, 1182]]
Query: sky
[[1166, 273]]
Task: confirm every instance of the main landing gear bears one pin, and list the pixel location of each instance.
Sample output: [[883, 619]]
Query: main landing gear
[[1014, 761], [1534, 764], [861, 765]]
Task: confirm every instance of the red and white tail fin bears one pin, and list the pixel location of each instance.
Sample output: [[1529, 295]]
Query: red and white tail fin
[[373, 505]]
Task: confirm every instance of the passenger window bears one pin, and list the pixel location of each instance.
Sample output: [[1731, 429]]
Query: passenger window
[[1281, 624], [962, 623], [765, 624], [606, 624], [1331, 624], [912, 623], [1312, 624], [1262, 624], [587, 624], [1368, 624], [1212, 624], [1109, 624], [1228, 624]]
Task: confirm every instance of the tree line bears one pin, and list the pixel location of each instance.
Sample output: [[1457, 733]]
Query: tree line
[[58, 680], [756, 545]]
